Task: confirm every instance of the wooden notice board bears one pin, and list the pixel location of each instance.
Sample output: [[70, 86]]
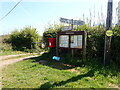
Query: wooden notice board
[[71, 39]]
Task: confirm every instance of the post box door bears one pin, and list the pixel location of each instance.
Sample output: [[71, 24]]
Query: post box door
[[52, 42]]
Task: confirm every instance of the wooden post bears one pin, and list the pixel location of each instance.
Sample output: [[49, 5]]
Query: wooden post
[[32, 47], [72, 51], [57, 44], [85, 44], [108, 39]]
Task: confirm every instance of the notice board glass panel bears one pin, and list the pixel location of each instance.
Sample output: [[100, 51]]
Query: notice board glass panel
[[64, 41], [76, 41]]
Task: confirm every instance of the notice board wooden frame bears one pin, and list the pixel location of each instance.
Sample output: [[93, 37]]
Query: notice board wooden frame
[[70, 33]]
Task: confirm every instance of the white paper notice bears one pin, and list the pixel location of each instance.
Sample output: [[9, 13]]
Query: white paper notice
[[64, 41]]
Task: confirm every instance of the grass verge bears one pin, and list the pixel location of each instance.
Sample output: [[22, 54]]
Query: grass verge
[[32, 73]]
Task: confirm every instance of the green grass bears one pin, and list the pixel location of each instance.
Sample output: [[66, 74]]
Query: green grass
[[10, 52], [32, 74]]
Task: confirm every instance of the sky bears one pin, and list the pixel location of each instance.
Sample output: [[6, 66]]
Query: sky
[[40, 13]]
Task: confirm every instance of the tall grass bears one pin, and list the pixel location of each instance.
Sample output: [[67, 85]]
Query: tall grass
[[5, 47]]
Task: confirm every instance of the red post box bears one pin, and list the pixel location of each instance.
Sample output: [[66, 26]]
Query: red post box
[[52, 42]]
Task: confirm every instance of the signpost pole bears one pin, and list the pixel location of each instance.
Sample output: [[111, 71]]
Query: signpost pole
[[72, 24], [72, 29], [108, 39]]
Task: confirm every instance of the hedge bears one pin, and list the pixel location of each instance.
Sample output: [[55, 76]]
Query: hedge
[[95, 41]]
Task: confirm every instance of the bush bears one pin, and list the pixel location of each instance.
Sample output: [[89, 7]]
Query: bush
[[26, 38], [51, 32], [95, 42], [115, 46], [5, 47], [96, 39]]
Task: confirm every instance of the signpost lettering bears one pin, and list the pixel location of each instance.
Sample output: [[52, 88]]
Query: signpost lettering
[[71, 21], [65, 28]]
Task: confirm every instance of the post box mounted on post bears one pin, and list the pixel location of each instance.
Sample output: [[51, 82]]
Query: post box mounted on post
[[51, 42]]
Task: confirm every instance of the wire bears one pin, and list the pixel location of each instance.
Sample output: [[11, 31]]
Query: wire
[[10, 10]]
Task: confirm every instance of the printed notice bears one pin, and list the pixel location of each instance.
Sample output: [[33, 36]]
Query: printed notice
[[64, 41], [76, 41]]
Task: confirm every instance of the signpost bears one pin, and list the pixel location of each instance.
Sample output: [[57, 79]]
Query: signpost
[[65, 28], [71, 21], [108, 33], [72, 40]]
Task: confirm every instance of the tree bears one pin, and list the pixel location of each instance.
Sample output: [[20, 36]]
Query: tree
[[26, 38]]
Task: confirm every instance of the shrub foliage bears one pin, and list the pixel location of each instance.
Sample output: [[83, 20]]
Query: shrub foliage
[[26, 38], [51, 32], [95, 40]]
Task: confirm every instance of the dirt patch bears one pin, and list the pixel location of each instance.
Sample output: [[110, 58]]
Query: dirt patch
[[114, 86], [74, 70], [9, 56], [11, 61]]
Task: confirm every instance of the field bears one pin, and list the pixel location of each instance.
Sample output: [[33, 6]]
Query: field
[[41, 72]]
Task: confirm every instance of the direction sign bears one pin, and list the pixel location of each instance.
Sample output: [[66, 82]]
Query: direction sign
[[78, 22], [63, 20], [65, 28], [71, 21]]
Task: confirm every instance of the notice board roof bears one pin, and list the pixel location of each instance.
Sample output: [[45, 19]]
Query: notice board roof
[[71, 33]]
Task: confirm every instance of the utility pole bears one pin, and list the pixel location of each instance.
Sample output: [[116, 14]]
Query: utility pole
[[90, 18], [83, 17], [108, 38], [94, 16]]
